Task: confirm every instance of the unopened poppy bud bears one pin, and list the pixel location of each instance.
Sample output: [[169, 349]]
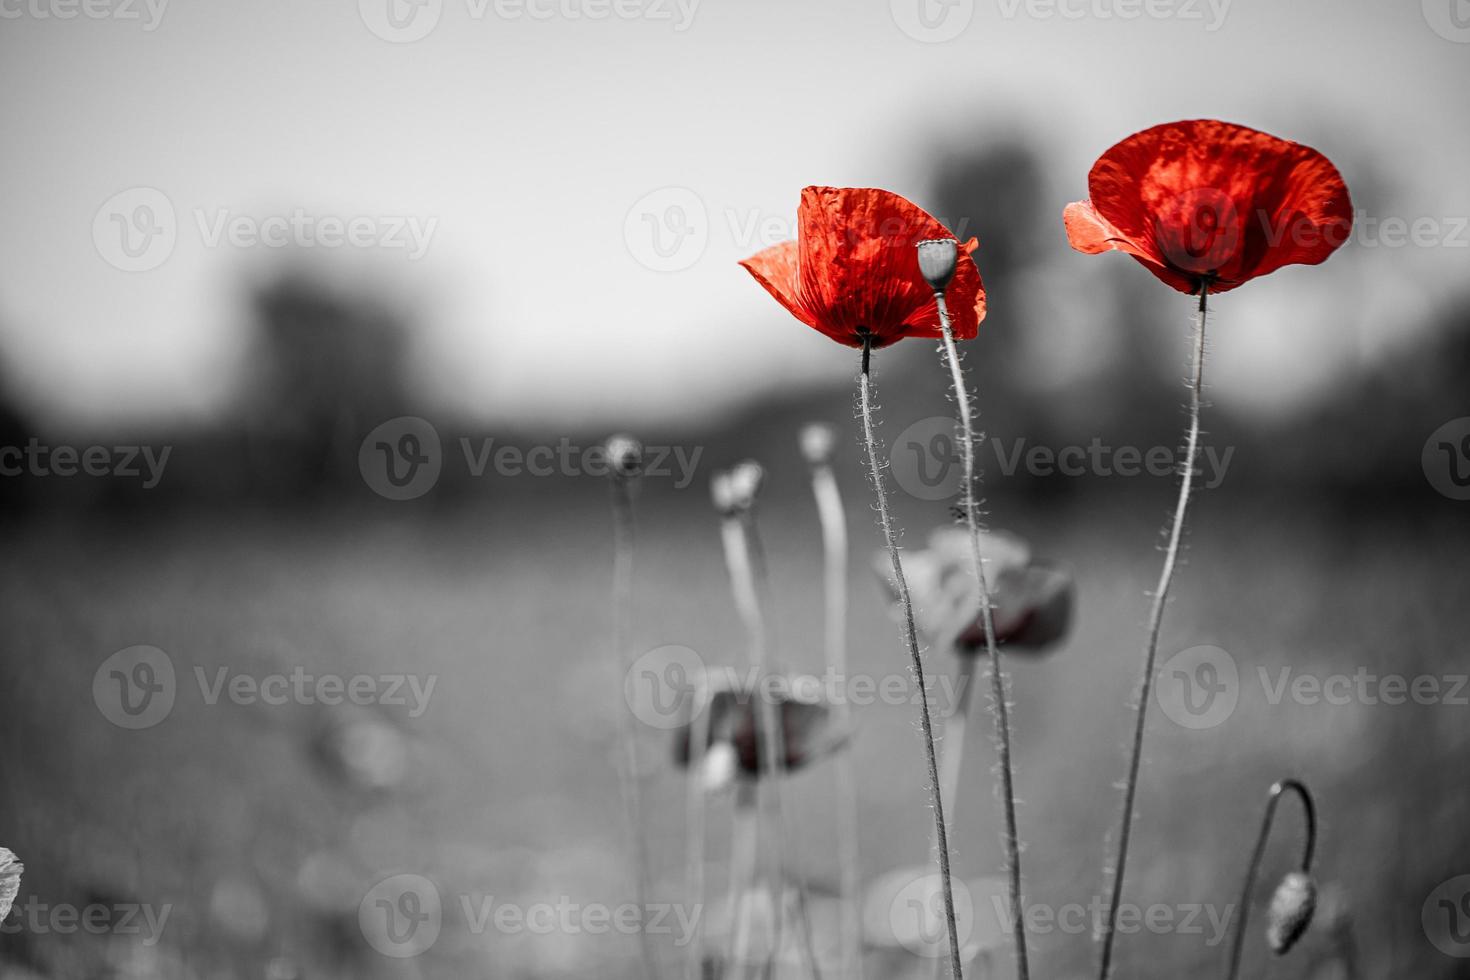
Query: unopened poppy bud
[[746, 480], [818, 439], [624, 456], [1291, 911], [10, 871], [937, 260], [722, 492]]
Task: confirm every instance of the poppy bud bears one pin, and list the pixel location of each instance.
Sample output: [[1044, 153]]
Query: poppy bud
[[818, 439], [937, 260], [10, 870], [746, 480], [624, 455], [1291, 911], [722, 493]]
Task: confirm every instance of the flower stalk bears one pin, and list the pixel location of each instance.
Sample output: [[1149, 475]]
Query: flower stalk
[[911, 639], [1151, 647], [1295, 900], [625, 458], [817, 444]]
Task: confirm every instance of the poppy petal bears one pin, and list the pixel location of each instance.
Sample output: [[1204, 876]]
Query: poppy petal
[[776, 269]]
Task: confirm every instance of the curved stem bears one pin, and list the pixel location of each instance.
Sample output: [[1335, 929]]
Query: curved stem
[[998, 695], [834, 577], [1151, 649], [1309, 812], [911, 638], [630, 778]]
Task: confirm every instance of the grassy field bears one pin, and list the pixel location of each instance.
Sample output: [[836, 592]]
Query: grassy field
[[235, 817]]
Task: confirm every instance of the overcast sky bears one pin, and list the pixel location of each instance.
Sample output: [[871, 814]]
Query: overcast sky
[[509, 169]]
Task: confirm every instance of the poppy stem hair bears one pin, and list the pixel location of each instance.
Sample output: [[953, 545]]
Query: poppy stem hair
[[1151, 647], [911, 638], [998, 694], [625, 459], [817, 443], [1309, 849]]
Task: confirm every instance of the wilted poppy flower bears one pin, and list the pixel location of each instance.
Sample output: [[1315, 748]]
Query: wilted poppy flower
[[734, 727], [1208, 203], [853, 271], [1031, 600]]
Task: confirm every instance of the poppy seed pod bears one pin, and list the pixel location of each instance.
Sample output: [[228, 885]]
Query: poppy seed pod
[[818, 439], [624, 456], [746, 480], [938, 258], [1291, 911]]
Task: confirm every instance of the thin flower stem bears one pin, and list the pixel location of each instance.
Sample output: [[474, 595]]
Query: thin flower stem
[[1309, 811], [630, 776], [833, 519], [952, 743], [695, 819], [1151, 649], [911, 638], [744, 848], [774, 761], [999, 703]]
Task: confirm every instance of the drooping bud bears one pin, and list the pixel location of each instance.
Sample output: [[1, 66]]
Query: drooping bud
[[937, 260], [746, 480], [624, 456], [1291, 911], [818, 440], [10, 871]]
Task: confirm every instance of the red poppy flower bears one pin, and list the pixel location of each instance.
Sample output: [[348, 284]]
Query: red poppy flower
[[806, 725], [854, 271], [1209, 203]]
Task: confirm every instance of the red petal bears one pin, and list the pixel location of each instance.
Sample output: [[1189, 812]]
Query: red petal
[[1208, 199], [859, 271], [776, 269]]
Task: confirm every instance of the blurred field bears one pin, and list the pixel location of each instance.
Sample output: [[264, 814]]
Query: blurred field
[[510, 788]]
